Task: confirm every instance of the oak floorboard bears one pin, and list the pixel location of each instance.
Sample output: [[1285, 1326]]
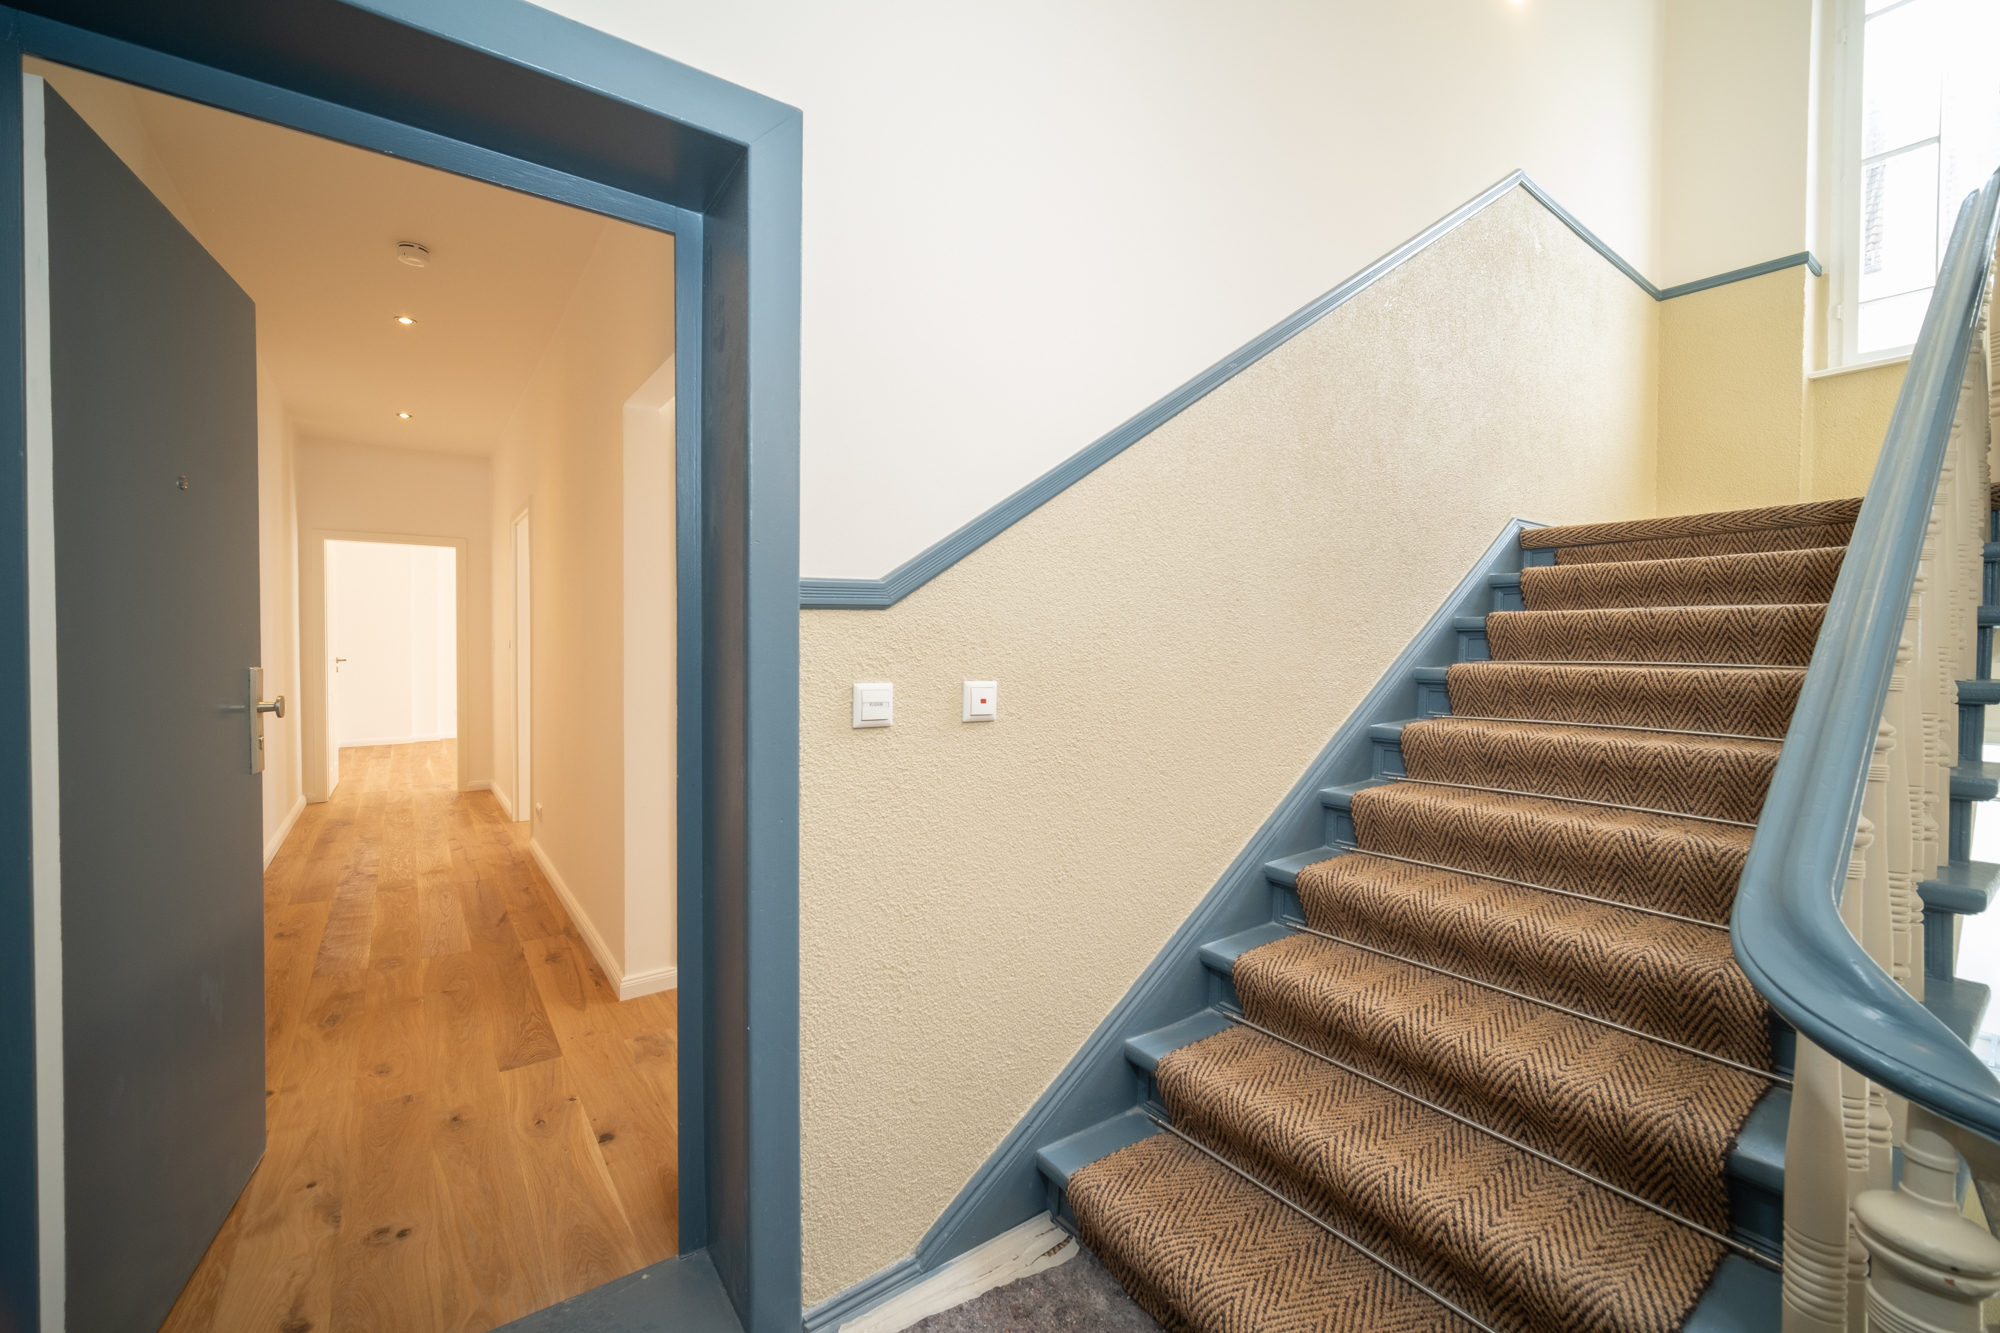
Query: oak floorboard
[[571, 1197], [633, 1126], [464, 1124]]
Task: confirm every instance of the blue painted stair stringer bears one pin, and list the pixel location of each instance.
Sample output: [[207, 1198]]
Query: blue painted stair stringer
[[1097, 1083]]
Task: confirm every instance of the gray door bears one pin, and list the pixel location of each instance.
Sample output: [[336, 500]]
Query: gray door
[[153, 391]]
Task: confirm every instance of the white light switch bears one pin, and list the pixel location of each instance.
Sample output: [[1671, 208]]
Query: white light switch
[[982, 701], [874, 704]]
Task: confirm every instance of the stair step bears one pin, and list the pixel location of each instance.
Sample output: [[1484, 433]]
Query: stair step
[[1975, 782], [1284, 871], [1966, 888], [1756, 1172], [1339, 805], [1065, 1157], [1958, 1004], [1989, 615], [1980, 692], [1219, 956], [1742, 1297], [1146, 1050], [1385, 740], [1433, 699], [1471, 638], [1506, 592]]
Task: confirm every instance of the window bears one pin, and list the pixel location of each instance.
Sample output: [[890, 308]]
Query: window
[[1923, 133]]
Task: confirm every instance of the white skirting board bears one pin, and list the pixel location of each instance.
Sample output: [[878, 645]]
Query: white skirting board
[[1029, 1248], [284, 831], [629, 988], [506, 801]]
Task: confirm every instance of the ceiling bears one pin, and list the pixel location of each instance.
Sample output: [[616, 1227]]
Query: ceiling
[[309, 228]]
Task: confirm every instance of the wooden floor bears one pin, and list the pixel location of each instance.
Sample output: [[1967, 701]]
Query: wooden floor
[[465, 1125]]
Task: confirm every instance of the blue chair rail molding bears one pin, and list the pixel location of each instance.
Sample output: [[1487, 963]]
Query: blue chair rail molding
[[1787, 931]]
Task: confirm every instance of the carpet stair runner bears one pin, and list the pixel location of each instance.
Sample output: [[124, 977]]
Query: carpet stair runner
[[1494, 1064]]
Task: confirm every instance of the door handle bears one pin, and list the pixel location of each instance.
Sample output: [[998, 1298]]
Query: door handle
[[257, 706]]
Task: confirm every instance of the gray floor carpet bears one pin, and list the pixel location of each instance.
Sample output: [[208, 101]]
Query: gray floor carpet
[[1078, 1297]]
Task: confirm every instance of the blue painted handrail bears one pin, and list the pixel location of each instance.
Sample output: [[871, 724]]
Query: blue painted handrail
[[1787, 931]]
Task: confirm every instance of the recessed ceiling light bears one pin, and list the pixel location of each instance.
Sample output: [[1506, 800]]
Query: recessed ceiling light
[[404, 319], [403, 415]]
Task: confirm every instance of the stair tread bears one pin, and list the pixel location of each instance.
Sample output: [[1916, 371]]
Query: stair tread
[[1759, 1151], [1727, 700], [1657, 862], [1716, 522], [1776, 635], [1751, 578], [1649, 973], [1065, 1157], [1146, 1050], [1695, 775], [1521, 1068], [1285, 870], [1221, 955], [1958, 1004], [1979, 692], [1975, 782], [1964, 887]]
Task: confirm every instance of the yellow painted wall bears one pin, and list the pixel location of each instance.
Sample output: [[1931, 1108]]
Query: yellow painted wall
[[1849, 416], [1175, 637], [1732, 395]]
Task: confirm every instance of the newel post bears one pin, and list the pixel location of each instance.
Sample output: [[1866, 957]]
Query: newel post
[[1929, 1267]]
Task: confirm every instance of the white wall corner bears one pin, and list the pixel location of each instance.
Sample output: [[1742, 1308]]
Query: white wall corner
[[629, 988], [284, 831]]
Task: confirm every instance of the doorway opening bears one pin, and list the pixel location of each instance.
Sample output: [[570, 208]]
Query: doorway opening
[[469, 1071], [392, 627]]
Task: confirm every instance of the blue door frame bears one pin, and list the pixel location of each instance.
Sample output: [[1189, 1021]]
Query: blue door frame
[[502, 91]]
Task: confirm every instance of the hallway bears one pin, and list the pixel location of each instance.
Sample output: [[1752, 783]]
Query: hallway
[[464, 1124]]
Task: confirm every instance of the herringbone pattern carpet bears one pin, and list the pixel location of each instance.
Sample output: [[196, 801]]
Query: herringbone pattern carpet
[[1529, 938]]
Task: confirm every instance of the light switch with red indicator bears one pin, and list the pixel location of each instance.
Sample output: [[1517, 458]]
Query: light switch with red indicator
[[982, 701]]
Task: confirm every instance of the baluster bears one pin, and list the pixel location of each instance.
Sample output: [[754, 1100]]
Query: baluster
[[1931, 1267], [1905, 951], [1817, 1230]]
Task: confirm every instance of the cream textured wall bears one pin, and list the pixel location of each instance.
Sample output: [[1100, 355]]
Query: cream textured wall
[[1175, 638], [1024, 223], [1732, 395], [357, 488], [561, 456]]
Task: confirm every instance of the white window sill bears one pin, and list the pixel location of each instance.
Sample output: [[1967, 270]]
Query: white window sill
[[1894, 359]]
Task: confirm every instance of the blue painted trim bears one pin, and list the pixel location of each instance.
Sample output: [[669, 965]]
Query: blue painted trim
[[864, 1295], [1097, 1082], [1786, 929], [1739, 274], [501, 90], [914, 573]]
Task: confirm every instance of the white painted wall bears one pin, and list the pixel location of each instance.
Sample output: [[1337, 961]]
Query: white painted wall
[[589, 450], [1023, 224], [278, 602], [391, 613]]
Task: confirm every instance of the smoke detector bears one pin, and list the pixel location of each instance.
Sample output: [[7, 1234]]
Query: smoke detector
[[416, 256]]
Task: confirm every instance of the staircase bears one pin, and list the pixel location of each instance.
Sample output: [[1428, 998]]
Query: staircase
[[1491, 1063]]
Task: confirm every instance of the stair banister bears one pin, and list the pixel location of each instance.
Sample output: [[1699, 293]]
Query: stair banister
[[1832, 978]]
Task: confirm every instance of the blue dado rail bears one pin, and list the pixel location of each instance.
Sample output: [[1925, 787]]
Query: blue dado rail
[[1787, 931]]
